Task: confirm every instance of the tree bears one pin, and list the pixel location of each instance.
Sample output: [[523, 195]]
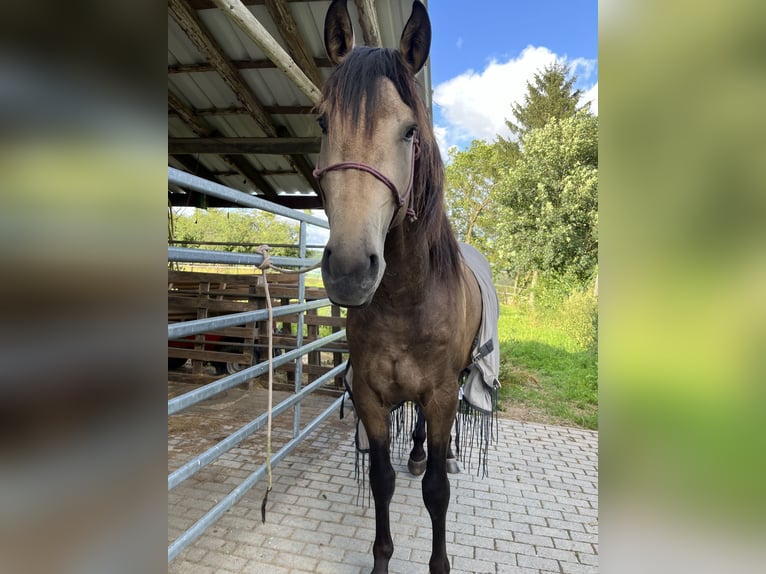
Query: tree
[[236, 227], [470, 177], [550, 95], [551, 195]]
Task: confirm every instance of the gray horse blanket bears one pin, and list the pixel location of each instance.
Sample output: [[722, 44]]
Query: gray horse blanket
[[480, 384], [479, 381]]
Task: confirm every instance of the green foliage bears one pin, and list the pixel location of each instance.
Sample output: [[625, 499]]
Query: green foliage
[[551, 193], [471, 183], [579, 318], [549, 96], [531, 205], [237, 227]]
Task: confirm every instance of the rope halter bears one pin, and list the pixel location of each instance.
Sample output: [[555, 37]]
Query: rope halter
[[399, 198]]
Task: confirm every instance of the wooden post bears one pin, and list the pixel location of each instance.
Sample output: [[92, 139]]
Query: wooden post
[[202, 313]]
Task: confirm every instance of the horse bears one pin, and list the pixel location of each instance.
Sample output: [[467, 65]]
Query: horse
[[392, 259]]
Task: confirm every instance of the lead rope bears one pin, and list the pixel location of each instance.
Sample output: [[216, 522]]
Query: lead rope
[[267, 264]]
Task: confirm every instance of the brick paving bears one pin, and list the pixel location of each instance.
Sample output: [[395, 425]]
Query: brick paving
[[536, 513]]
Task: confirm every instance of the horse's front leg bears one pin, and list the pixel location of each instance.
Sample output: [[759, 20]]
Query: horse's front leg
[[382, 483], [436, 488]]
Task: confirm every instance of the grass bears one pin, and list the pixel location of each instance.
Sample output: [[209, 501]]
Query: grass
[[545, 370]]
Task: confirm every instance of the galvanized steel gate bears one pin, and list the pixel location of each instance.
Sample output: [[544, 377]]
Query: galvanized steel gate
[[183, 329]]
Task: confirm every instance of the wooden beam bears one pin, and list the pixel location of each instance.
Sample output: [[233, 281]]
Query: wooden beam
[[280, 110], [192, 26], [368, 21], [203, 130], [302, 164], [207, 4], [300, 201], [194, 199], [239, 64], [296, 46], [243, 166], [239, 146], [249, 24], [195, 167], [188, 115]]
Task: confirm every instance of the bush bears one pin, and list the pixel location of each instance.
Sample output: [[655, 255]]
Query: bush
[[564, 301], [579, 318]]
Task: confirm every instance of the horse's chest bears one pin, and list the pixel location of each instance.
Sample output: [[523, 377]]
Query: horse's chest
[[394, 357]]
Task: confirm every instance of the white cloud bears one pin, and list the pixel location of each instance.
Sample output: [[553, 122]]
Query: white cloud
[[459, 42], [440, 133], [475, 105], [591, 95]]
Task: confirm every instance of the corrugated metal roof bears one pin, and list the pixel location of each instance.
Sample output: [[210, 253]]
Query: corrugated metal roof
[[216, 109]]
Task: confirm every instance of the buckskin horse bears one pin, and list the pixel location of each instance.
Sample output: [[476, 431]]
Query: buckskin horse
[[392, 258]]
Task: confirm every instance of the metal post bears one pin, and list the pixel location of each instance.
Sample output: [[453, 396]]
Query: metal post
[[299, 332]]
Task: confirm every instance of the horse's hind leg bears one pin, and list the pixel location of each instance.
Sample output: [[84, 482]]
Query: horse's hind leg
[[452, 465], [417, 462]]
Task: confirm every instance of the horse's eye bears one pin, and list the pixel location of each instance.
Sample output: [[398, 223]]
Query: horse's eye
[[410, 133], [322, 121]]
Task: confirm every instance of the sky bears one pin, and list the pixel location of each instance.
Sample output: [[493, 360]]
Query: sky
[[484, 52]]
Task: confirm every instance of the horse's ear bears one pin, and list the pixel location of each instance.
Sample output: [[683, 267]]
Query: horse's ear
[[416, 38], [338, 32]]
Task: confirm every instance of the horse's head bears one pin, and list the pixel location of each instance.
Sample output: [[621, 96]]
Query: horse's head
[[370, 117]]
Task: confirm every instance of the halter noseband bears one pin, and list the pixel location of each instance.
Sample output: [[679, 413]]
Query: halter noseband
[[398, 197]]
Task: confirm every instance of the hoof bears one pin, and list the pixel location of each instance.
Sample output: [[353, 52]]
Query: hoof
[[452, 466], [416, 467]]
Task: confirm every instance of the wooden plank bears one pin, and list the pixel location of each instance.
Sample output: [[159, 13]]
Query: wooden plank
[[245, 145], [203, 356], [239, 64], [175, 276]]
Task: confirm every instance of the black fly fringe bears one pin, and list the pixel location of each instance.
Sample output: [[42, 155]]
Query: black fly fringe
[[475, 428], [360, 474], [401, 424], [361, 477]]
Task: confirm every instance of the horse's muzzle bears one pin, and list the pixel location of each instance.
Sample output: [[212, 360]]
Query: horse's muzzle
[[351, 281]]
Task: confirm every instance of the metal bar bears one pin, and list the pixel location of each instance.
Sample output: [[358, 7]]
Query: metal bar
[[192, 255], [201, 461], [199, 527], [299, 331], [180, 330], [186, 400], [240, 243], [190, 181]]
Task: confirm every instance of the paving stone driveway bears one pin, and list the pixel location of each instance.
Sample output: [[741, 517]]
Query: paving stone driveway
[[537, 512]]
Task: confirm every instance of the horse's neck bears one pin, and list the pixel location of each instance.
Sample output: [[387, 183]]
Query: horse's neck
[[407, 265]]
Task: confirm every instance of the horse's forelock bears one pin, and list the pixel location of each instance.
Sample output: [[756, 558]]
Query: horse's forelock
[[355, 83]]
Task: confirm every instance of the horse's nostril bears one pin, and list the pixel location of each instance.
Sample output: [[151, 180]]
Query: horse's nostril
[[373, 262]]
